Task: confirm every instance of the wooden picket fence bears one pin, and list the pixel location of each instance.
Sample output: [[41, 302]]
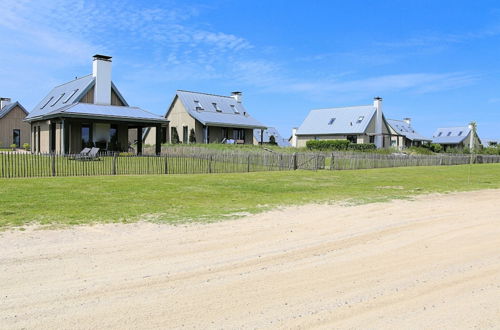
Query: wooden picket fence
[[15, 165], [360, 160]]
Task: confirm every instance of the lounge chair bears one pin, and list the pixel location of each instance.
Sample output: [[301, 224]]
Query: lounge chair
[[93, 154], [82, 153]]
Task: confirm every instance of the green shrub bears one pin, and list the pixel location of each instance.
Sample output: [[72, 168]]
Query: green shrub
[[491, 151], [435, 147], [13, 146], [361, 146], [26, 146], [420, 150], [327, 144]]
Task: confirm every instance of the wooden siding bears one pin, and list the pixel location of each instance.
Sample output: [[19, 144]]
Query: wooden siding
[[11, 121], [89, 97]]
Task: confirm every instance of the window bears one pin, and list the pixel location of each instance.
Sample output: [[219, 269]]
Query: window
[[51, 98], [332, 120], [239, 134], [184, 134], [163, 135], [460, 133], [440, 133], [233, 107], [449, 133], [85, 136], [225, 133], [360, 119], [70, 96], [113, 137], [198, 105], [16, 138], [57, 100], [372, 139], [351, 138], [216, 107]]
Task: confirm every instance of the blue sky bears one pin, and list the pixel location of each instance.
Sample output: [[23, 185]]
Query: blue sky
[[434, 61]]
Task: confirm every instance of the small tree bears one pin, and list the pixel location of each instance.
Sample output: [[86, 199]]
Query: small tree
[[26, 146], [272, 140], [175, 136], [192, 136]]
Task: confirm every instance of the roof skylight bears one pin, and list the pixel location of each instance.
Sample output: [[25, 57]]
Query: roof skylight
[[57, 100], [460, 133], [70, 96], [216, 107], [360, 119], [440, 133], [43, 106], [331, 121], [449, 133], [198, 105], [233, 107]]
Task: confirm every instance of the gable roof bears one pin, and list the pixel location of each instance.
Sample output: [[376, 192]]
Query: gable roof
[[405, 129], [450, 135], [267, 134], [68, 93], [346, 120], [9, 107], [229, 112]]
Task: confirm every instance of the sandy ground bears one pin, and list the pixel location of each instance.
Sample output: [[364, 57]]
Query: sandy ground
[[429, 263]]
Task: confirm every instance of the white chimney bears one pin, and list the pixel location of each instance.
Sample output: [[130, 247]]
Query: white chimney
[[238, 96], [101, 70], [407, 120], [379, 138], [294, 137], [4, 101]]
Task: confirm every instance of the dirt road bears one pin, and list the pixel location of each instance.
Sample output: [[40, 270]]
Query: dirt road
[[429, 263]]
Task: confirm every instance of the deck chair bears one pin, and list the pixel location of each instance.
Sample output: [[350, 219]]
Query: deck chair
[[93, 154], [82, 153]]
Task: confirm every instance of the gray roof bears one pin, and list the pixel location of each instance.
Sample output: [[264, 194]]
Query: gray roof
[[63, 95], [112, 112], [405, 129], [450, 135], [346, 120], [229, 112], [267, 134], [6, 109]]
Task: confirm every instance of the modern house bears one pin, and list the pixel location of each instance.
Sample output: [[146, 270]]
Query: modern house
[[89, 112], [358, 124], [268, 135], [403, 134], [456, 137], [206, 118], [13, 128]]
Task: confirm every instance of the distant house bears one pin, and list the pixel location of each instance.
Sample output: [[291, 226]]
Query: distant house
[[206, 118], [358, 124], [264, 137], [13, 128], [88, 112], [403, 135], [455, 137]]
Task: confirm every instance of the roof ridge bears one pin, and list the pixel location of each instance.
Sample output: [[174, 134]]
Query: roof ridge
[[344, 107], [72, 81], [181, 90]]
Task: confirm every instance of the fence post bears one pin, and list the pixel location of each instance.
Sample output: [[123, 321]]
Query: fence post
[[210, 164], [332, 162], [53, 163], [114, 163], [166, 163], [248, 163], [294, 161]]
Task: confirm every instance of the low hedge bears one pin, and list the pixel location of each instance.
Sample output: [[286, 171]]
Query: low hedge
[[338, 145]]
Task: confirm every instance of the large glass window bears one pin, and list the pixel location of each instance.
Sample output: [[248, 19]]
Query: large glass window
[[352, 138], [185, 134], [239, 134], [16, 138], [113, 137], [85, 136]]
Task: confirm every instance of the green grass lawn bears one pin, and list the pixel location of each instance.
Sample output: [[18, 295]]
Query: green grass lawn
[[210, 197]]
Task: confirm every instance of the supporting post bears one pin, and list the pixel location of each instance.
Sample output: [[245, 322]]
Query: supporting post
[[63, 137], [205, 134], [158, 139], [139, 140], [261, 137]]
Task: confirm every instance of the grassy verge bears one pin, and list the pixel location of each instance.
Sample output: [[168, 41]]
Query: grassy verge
[[210, 197]]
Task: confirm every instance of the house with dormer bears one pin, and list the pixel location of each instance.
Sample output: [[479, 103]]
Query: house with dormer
[[207, 118], [89, 112], [456, 137], [13, 129], [403, 135]]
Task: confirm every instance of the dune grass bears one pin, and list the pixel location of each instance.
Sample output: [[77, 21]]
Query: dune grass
[[212, 197]]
